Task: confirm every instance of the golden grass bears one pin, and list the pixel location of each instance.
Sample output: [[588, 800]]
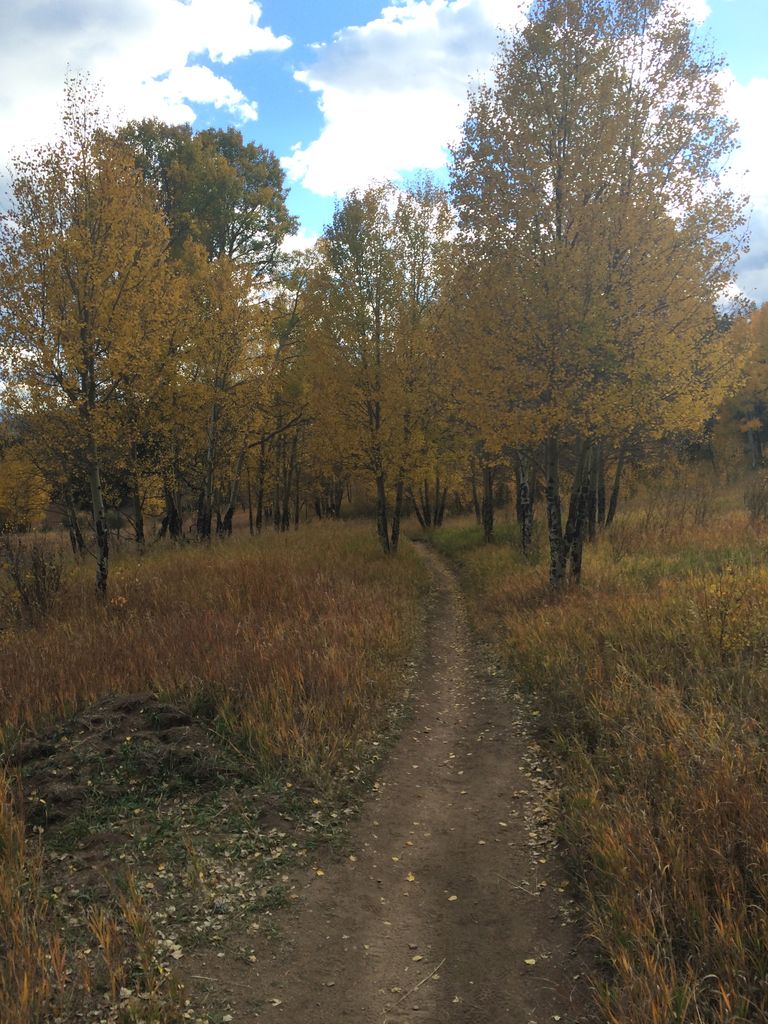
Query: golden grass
[[290, 644], [652, 682], [33, 972]]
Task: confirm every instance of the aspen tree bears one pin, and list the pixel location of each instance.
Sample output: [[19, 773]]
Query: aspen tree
[[588, 188], [748, 410], [85, 286], [224, 201], [376, 279]]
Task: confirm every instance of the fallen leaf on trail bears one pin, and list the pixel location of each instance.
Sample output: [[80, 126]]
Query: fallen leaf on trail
[[395, 859], [319, 872], [531, 962], [452, 899], [276, 1002], [417, 958], [410, 877]]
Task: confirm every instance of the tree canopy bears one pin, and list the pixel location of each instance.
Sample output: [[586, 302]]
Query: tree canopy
[[215, 189]]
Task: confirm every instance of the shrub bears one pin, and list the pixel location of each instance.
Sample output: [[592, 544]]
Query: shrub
[[34, 570]]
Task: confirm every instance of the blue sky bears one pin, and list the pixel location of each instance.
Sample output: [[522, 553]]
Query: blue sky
[[342, 90]]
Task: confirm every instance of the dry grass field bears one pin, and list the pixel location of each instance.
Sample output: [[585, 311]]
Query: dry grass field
[[286, 644], [179, 747], [260, 677], [651, 687]]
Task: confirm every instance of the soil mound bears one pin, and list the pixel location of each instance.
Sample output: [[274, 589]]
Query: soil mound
[[120, 745]]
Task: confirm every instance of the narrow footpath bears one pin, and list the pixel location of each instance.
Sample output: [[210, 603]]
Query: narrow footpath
[[451, 907]]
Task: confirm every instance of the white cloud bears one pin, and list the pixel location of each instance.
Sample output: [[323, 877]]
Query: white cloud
[[299, 242], [696, 10], [747, 104], [142, 50], [393, 91], [753, 269]]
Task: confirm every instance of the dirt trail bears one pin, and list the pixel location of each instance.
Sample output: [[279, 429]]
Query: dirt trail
[[433, 917]]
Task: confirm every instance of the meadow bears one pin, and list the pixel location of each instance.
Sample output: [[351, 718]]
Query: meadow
[[647, 685], [650, 689], [286, 644], [280, 661], [175, 745]]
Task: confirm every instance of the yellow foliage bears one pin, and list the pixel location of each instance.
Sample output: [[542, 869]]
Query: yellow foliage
[[371, 345], [24, 497], [587, 275]]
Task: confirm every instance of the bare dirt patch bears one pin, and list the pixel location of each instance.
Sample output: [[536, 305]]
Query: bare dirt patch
[[121, 744], [147, 815]]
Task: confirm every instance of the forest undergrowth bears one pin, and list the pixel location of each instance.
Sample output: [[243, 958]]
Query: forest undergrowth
[[260, 677], [650, 683]]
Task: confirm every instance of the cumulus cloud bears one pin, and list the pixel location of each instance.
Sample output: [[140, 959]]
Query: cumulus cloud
[[753, 269], [393, 91], [747, 103], [143, 50]]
